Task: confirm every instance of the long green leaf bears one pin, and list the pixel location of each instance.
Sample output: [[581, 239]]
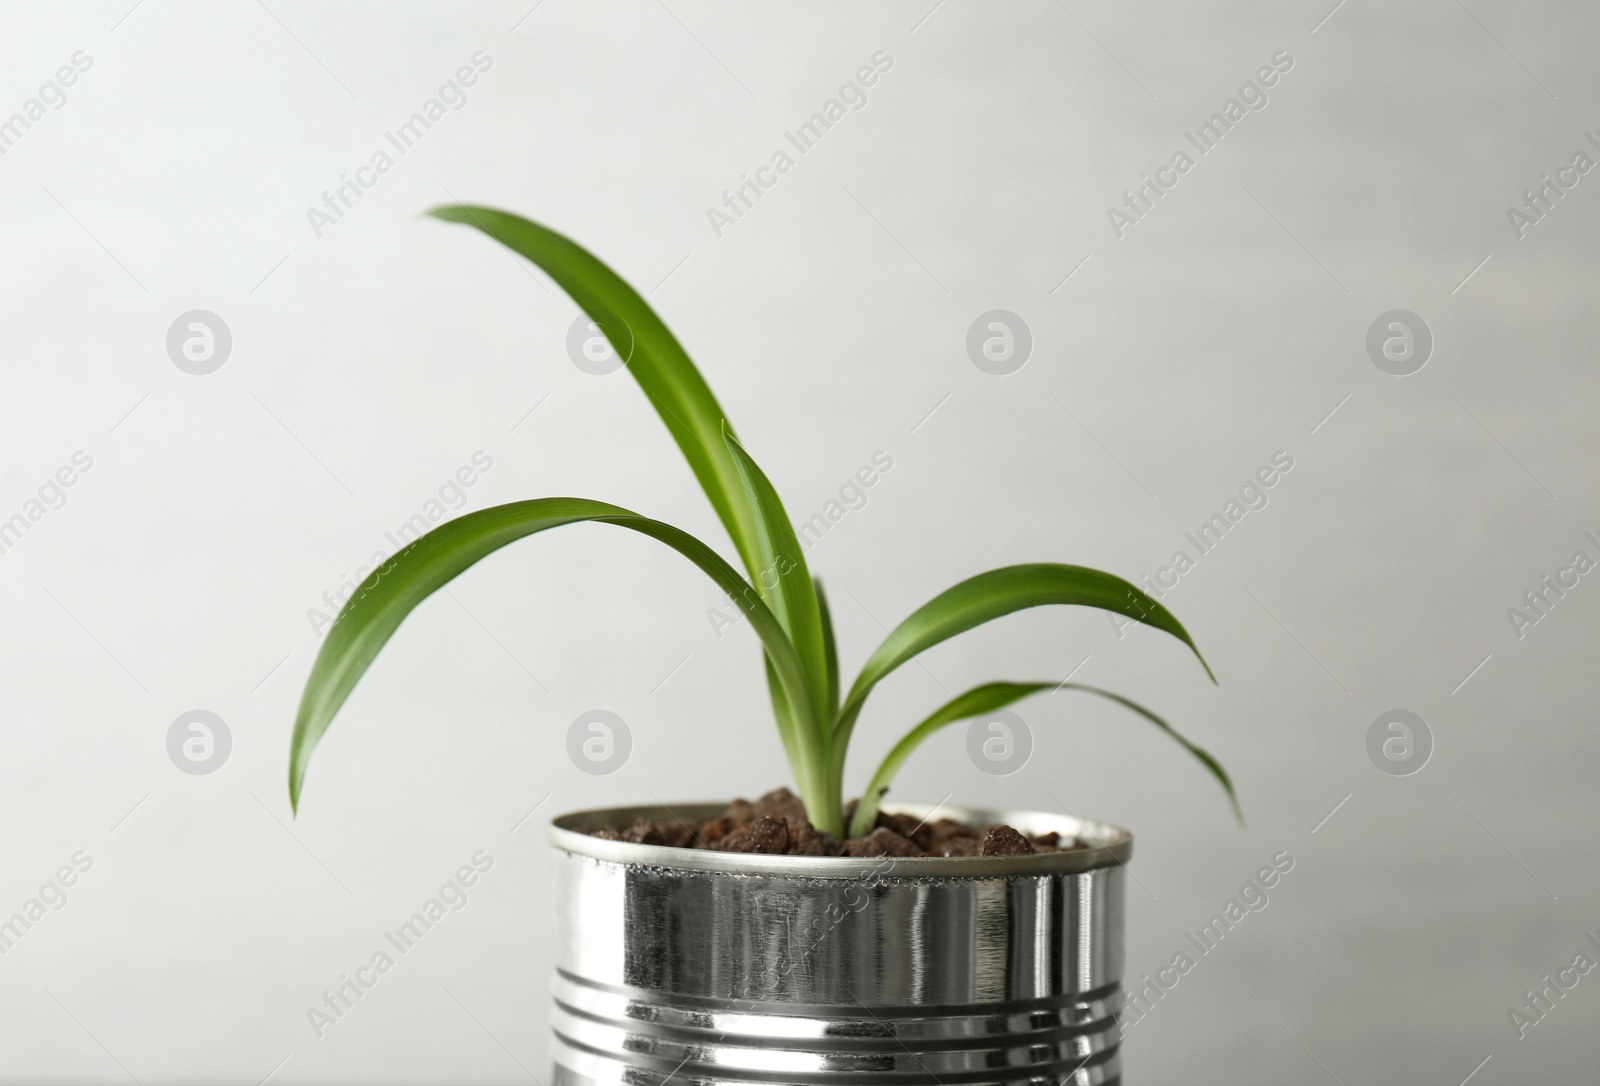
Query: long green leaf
[[992, 595], [785, 585], [991, 696], [830, 650], [653, 355], [780, 712], [989, 596], [784, 581], [394, 589]]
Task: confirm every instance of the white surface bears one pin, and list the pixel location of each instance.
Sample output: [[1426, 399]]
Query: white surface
[[376, 359]]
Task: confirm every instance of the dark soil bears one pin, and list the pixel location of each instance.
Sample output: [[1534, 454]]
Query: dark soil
[[776, 824]]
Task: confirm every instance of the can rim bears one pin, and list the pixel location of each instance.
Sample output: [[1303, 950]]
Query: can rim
[[1111, 845]]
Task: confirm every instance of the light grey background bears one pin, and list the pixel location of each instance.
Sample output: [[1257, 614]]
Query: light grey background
[[370, 363]]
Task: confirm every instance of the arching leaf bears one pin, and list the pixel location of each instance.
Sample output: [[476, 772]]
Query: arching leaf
[[987, 698], [392, 591], [652, 353]]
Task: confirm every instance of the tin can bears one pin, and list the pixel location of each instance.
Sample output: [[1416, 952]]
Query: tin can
[[695, 966]]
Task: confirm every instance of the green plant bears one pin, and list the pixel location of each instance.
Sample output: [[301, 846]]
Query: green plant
[[785, 606]]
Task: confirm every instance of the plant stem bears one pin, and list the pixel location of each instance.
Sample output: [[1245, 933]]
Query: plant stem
[[819, 789], [826, 812]]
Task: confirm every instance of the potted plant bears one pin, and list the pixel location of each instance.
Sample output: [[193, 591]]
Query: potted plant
[[796, 938]]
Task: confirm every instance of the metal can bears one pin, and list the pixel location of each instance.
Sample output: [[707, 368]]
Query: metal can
[[696, 966]]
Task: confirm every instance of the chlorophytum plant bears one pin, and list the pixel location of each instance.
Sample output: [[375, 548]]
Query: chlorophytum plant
[[816, 716]]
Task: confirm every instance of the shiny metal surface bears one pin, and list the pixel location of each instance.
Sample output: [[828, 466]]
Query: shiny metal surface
[[708, 967]]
